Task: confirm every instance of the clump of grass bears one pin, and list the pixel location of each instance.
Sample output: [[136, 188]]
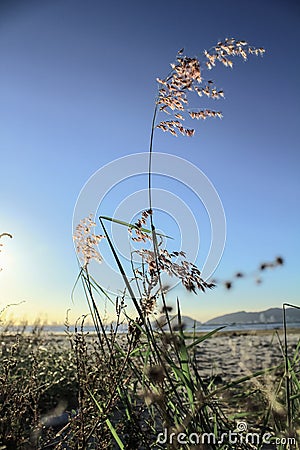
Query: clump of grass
[[35, 375], [69, 392], [163, 382], [114, 390]]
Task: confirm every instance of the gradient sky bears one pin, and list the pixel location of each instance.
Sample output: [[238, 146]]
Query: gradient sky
[[77, 89]]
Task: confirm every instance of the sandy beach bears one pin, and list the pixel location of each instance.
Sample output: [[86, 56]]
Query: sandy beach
[[235, 354], [229, 354], [44, 362]]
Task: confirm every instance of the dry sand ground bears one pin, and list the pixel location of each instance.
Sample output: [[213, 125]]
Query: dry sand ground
[[232, 354], [235, 354]]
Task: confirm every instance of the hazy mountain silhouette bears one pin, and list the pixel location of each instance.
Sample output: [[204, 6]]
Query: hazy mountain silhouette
[[271, 315]]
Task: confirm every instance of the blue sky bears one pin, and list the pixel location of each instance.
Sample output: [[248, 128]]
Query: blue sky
[[77, 89]]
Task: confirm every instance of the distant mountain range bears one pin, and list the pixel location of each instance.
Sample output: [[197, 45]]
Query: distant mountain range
[[269, 316], [272, 315]]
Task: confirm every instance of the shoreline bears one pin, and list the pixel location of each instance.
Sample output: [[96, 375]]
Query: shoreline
[[188, 333]]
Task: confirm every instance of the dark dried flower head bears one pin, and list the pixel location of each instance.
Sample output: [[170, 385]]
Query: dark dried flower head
[[279, 261], [239, 275], [179, 327], [228, 284], [156, 374], [166, 309], [173, 340]]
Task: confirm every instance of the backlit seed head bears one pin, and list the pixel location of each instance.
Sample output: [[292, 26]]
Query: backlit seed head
[[86, 241], [186, 76]]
